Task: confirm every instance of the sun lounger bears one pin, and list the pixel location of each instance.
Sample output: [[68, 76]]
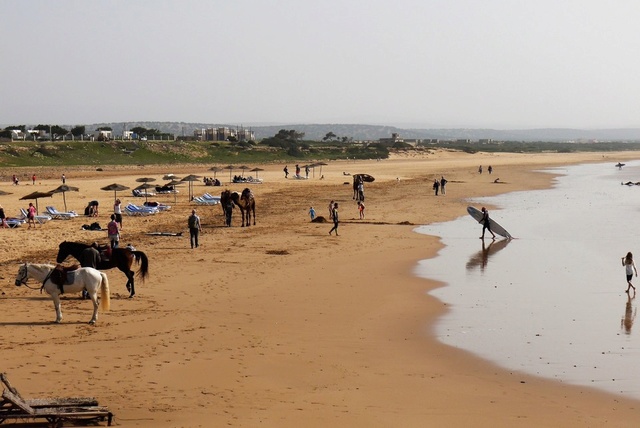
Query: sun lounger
[[206, 199], [15, 222], [135, 210], [142, 192], [157, 205], [56, 411], [39, 218], [55, 214]]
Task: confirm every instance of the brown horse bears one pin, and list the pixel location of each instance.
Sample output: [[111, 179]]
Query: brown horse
[[122, 258], [245, 201]]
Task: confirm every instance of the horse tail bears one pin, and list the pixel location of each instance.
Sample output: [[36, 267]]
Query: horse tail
[[141, 258], [105, 294]]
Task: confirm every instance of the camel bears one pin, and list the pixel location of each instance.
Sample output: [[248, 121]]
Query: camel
[[357, 179], [245, 201]]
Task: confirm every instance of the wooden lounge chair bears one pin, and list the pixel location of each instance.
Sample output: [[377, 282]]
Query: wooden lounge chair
[[55, 411]]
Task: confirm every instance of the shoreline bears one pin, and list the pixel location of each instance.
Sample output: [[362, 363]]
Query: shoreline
[[280, 324]]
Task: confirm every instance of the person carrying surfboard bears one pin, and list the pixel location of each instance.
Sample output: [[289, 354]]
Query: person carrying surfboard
[[486, 223]]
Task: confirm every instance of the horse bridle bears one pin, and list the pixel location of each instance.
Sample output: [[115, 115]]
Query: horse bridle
[[23, 280]]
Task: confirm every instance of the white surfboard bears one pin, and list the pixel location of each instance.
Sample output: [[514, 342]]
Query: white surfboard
[[495, 227]]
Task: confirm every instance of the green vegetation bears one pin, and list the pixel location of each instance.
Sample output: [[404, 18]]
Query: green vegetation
[[285, 146], [59, 153]]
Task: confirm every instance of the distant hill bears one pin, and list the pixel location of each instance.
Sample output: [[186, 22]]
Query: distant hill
[[375, 132]]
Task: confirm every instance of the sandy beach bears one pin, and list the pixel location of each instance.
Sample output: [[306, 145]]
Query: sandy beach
[[279, 324]]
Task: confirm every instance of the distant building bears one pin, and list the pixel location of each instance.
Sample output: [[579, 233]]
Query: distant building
[[224, 133], [395, 138], [102, 135], [128, 135], [485, 141], [17, 134]]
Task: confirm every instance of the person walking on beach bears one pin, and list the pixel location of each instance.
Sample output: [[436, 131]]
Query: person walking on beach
[[436, 186], [112, 232], [334, 216], [117, 211], [480, 169], [490, 169], [31, 215], [228, 212], [194, 228], [630, 268], [33, 179], [64, 179], [361, 209], [286, 171], [312, 213], [443, 181], [486, 223]]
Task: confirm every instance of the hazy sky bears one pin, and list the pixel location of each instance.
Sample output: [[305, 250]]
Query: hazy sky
[[427, 63]]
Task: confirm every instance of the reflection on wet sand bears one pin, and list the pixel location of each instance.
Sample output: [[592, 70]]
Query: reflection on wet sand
[[629, 314], [481, 258]]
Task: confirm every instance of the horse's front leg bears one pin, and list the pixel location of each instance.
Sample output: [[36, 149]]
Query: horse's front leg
[[56, 305]]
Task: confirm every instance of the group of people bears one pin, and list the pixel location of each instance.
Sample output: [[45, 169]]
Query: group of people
[[489, 169], [306, 171], [210, 181], [438, 185]]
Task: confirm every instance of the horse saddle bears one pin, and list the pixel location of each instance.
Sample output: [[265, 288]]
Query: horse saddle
[[105, 253], [63, 275]]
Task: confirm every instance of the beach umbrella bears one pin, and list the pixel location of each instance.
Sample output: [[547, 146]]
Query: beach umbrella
[[215, 169], [36, 196], [257, 170], [230, 168], [190, 179], [144, 187], [145, 179], [175, 183], [321, 164], [243, 168], [64, 189], [115, 188]]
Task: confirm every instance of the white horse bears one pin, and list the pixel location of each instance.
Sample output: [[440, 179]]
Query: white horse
[[88, 279]]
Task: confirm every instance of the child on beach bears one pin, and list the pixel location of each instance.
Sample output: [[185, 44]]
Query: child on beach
[[630, 268], [361, 210], [312, 213]]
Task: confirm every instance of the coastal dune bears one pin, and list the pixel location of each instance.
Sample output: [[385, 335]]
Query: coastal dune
[[280, 324]]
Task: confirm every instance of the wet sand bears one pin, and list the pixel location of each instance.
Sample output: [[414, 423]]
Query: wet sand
[[280, 324], [553, 301]]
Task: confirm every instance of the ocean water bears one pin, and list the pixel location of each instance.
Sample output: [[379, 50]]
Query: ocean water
[[551, 302]]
